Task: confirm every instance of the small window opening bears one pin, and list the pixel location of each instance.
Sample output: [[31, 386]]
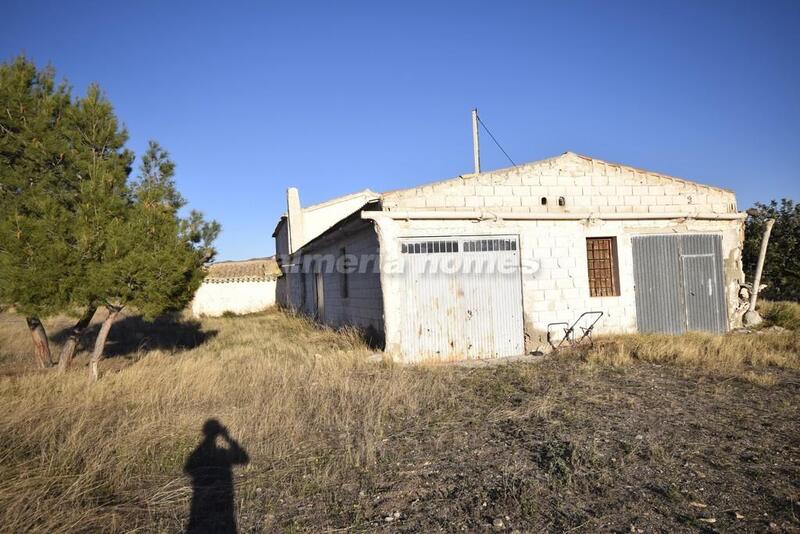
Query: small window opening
[[601, 259], [561, 201], [544, 201]]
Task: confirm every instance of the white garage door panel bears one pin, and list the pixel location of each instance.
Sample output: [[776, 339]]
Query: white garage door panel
[[452, 312]]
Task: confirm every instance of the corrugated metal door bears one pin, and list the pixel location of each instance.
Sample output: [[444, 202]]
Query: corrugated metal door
[[659, 295], [463, 298], [703, 283], [679, 283]]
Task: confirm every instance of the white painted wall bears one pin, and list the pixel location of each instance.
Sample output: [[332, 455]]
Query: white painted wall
[[213, 299], [559, 291]]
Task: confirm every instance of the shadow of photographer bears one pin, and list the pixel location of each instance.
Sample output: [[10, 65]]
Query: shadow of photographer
[[210, 466]]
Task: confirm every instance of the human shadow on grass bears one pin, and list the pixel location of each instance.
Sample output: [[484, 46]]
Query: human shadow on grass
[[210, 466], [131, 334]]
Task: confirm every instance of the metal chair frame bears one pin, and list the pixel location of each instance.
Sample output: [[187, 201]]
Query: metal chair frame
[[569, 331]]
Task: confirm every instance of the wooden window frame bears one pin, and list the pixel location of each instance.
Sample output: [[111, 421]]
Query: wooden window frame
[[602, 265]]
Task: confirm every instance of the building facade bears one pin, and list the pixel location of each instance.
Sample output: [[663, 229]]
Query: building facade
[[490, 264]]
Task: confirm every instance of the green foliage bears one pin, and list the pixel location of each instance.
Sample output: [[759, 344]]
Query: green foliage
[[74, 231], [155, 184], [151, 264], [783, 314], [156, 187], [36, 190], [201, 234], [102, 165], [782, 264]]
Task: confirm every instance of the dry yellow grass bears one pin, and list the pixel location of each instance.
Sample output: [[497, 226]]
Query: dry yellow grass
[[302, 400], [745, 355], [780, 313], [15, 341]]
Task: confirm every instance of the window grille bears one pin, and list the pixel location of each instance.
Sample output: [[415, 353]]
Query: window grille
[[601, 257], [489, 245], [429, 247]]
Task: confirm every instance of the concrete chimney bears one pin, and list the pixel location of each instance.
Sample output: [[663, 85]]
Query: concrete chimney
[[295, 219]]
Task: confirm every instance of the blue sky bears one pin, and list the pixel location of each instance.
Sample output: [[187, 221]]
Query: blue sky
[[337, 96]]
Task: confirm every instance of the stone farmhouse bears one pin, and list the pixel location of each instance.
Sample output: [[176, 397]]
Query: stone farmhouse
[[487, 264]]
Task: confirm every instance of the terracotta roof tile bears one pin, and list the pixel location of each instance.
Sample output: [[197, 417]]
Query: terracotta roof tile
[[245, 270]]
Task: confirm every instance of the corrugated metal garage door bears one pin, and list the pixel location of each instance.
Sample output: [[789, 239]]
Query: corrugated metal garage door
[[463, 298], [679, 283]]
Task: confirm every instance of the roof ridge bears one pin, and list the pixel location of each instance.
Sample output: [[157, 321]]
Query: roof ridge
[[474, 175], [646, 171], [553, 158], [264, 258], [324, 203]]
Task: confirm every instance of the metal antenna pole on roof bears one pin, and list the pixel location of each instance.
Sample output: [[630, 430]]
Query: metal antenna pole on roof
[[476, 151], [475, 116]]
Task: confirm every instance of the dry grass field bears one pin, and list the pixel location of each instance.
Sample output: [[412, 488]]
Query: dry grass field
[[640, 433]]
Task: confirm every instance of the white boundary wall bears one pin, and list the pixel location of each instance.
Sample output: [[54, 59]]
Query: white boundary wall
[[213, 299]]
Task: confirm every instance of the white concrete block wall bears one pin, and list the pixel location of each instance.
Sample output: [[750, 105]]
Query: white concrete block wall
[[363, 307], [586, 185], [559, 290], [213, 299]]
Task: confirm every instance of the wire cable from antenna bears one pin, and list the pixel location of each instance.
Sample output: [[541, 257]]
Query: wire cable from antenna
[[495, 141]]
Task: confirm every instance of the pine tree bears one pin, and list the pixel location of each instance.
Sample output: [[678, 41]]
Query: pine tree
[[101, 165], [153, 258], [36, 192], [74, 233]]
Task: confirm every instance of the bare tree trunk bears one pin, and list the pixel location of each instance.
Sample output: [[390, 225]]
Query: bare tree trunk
[[41, 346], [100, 342], [751, 316], [69, 348]]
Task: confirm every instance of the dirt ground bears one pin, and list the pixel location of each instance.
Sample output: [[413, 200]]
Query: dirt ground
[[638, 434], [557, 446]]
